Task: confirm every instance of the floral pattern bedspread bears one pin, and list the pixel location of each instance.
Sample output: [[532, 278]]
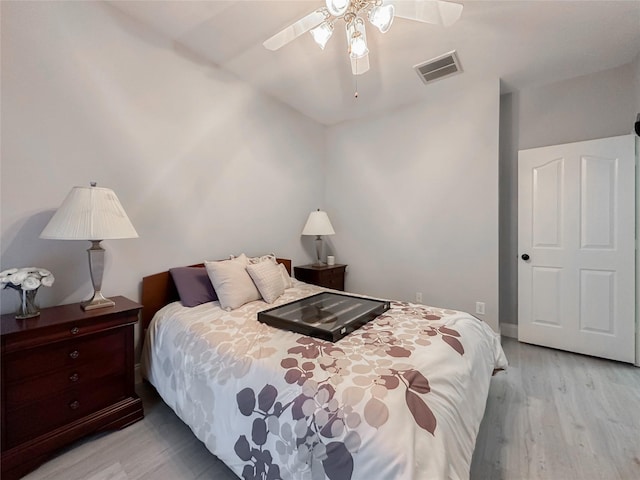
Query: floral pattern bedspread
[[400, 398]]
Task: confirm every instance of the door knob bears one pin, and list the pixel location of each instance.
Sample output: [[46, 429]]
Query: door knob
[[525, 256]]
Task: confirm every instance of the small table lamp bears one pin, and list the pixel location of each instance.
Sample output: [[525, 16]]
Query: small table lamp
[[318, 224], [94, 214]]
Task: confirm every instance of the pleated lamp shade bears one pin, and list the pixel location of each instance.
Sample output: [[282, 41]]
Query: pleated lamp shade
[[318, 224], [89, 213]]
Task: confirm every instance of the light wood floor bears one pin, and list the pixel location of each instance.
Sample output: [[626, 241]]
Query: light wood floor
[[551, 415]]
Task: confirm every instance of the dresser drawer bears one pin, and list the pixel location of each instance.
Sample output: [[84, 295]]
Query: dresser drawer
[[337, 283], [35, 388], [55, 333], [44, 415], [71, 353], [333, 278]]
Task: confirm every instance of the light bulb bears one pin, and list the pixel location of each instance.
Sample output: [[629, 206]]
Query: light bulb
[[337, 8], [357, 39], [382, 17], [322, 33], [358, 46]]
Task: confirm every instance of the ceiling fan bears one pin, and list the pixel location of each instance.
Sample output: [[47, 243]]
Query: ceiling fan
[[380, 13]]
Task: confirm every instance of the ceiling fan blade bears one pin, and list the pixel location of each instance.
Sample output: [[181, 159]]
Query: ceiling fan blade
[[360, 66], [296, 29], [437, 12]]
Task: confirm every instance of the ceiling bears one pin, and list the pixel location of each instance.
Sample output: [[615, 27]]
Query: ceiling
[[522, 43]]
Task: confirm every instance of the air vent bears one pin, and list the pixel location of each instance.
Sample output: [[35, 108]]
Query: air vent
[[439, 67]]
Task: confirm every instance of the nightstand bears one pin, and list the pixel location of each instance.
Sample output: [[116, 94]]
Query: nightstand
[[64, 375], [329, 276]]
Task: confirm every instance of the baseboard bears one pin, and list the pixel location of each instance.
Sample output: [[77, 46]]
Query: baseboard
[[509, 330]]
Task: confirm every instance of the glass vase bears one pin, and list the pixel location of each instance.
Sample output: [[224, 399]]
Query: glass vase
[[28, 306]]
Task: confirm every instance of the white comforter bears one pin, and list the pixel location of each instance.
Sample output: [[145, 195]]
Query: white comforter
[[400, 398]]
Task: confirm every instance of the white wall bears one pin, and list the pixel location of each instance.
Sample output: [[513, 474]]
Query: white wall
[[508, 266], [416, 193], [636, 82], [204, 165], [598, 105], [636, 93], [591, 106]]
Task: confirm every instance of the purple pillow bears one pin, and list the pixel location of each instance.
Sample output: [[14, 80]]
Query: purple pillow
[[193, 285]]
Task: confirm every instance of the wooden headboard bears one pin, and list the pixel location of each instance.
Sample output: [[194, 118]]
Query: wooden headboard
[[159, 290]]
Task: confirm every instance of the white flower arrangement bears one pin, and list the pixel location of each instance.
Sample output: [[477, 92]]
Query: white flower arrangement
[[28, 278]]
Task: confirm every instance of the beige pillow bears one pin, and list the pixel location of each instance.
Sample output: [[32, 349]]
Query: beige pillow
[[231, 282], [288, 283], [268, 278]]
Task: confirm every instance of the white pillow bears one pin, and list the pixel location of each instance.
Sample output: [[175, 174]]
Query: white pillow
[[268, 278], [288, 283], [232, 283]]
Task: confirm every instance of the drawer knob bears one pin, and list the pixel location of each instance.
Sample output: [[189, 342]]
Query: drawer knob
[[74, 405], [75, 354], [74, 377], [75, 331]]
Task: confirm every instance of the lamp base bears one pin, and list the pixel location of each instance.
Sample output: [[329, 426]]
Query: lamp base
[[98, 301], [319, 263], [96, 268]]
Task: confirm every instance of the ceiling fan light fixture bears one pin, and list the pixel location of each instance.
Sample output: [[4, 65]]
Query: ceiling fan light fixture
[[380, 13], [322, 33], [337, 8], [381, 17]]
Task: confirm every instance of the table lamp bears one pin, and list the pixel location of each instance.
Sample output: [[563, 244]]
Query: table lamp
[[94, 214], [318, 224]]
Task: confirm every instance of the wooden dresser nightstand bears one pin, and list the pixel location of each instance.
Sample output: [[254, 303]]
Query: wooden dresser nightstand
[[65, 374], [329, 276]]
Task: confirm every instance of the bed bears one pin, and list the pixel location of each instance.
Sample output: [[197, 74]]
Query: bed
[[400, 398]]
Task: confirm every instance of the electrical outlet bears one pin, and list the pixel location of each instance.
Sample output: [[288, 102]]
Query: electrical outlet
[[480, 308], [418, 297]]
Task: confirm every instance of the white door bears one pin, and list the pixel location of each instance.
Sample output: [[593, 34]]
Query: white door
[[576, 240]]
